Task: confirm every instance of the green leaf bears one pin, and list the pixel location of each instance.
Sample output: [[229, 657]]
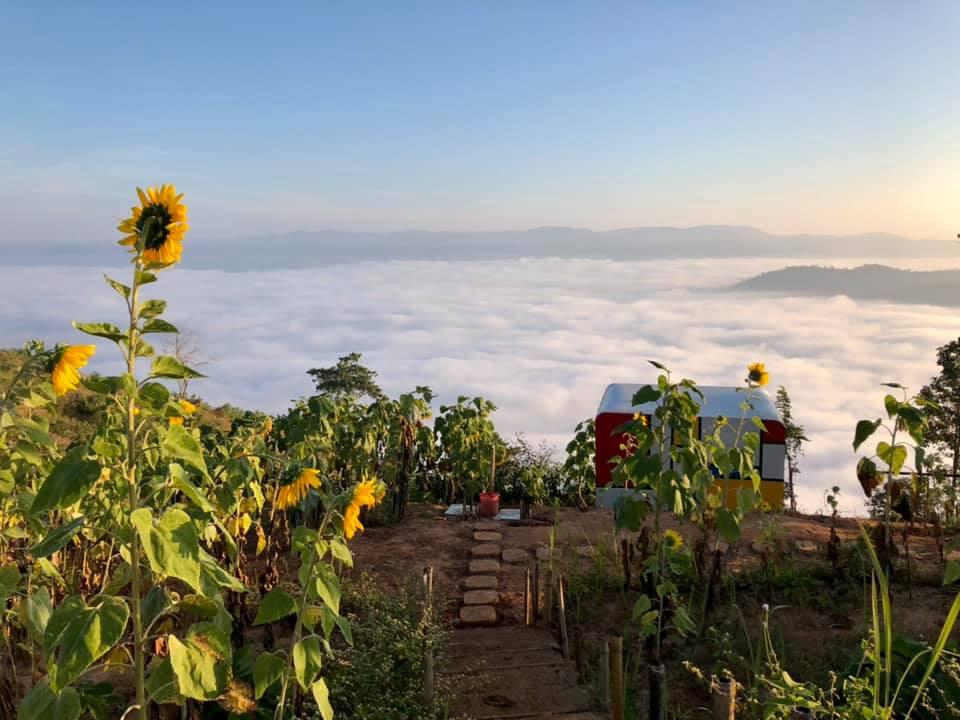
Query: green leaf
[[644, 395], [151, 309], [155, 603], [166, 366], [34, 613], [103, 385], [307, 660], [171, 546], [42, 703], [121, 289], [78, 634], [328, 588], [57, 539], [629, 512], [36, 432], [156, 325], [67, 482], [276, 604], [213, 577], [865, 428], [161, 683], [892, 405], [951, 573], [321, 696], [28, 451], [145, 278], [267, 669], [154, 395], [179, 444], [202, 661], [104, 330], [898, 459], [658, 366], [9, 581], [728, 525]]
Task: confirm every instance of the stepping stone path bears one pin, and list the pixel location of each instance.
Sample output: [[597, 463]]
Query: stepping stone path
[[508, 671], [481, 596]]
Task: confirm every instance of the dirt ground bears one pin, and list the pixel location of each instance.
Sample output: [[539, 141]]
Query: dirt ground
[[815, 626]]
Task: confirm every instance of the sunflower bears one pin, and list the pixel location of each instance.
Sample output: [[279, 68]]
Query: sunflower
[[164, 244], [66, 367], [188, 407], [292, 493], [175, 420], [365, 494], [757, 374], [673, 539]]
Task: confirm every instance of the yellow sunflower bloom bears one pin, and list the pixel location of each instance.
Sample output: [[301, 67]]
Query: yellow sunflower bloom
[[641, 418], [188, 407], [366, 494], [165, 208], [757, 374], [66, 367], [176, 420], [293, 493], [673, 539]]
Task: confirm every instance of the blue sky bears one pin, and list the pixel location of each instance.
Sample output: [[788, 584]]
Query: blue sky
[[795, 117]]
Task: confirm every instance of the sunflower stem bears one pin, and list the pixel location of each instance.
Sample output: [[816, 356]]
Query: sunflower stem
[[134, 490]]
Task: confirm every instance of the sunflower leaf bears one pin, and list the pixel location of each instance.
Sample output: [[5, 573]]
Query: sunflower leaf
[[118, 286], [67, 482], [167, 366], [104, 330], [152, 308], [156, 325]]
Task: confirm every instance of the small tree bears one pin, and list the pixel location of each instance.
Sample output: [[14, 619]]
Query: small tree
[[943, 421], [794, 440], [349, 378]]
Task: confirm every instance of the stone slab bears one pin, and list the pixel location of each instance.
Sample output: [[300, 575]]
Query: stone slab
[[480, 582], [487, 536], [481, 597], [478, 615], [485, 550], [515, 555], [484, 566]]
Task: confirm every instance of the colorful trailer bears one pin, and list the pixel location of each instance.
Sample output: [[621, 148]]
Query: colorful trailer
[[617, 407]]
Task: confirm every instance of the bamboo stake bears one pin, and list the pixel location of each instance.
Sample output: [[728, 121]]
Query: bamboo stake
[[527, 600], [536, 593], [616, 678], [724, 694], [563, 622], [658, 692], [605, 676], [548, 600]]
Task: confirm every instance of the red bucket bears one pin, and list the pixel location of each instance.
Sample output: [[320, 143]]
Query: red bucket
[[489, 504]]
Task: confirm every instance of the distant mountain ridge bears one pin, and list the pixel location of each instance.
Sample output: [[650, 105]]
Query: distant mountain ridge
[[299, 250], [867, 282]]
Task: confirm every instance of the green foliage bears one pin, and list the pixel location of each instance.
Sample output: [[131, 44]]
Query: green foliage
[[348, 379], [468, 444]]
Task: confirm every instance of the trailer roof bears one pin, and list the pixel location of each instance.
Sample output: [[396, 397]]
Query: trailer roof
[[718, 400]]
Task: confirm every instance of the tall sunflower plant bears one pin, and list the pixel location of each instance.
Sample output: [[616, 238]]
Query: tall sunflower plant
[[132, 494], [280, 676], [674, 470]]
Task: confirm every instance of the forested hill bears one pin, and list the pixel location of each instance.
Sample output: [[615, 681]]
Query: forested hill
[[867, 282]]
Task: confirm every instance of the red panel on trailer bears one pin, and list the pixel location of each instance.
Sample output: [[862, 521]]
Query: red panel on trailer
[[608, 444], [775, 433]]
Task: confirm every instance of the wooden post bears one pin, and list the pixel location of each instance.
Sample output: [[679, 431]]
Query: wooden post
[[548, 599], [616, 678], [528, 600], [605, 676], [428, 684], [724, 695], [536, 593], [427, 674], [564, 640], [658, 692]]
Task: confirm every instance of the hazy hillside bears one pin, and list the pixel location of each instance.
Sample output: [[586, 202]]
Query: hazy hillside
[[312, 249], [867, 282]]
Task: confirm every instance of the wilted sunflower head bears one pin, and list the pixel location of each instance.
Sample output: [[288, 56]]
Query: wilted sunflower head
[[160, 222], [757, 374], [67, 361]]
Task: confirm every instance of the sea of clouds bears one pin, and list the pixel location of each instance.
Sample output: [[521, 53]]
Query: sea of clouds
[[541, 338]]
